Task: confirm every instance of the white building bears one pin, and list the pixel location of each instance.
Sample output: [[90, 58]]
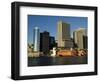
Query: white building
[[80, 38], [36, 39]]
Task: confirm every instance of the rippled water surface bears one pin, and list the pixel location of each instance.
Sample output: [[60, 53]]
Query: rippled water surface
[[45, 61]]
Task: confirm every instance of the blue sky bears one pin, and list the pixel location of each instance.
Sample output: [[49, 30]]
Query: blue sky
[[49, 23]]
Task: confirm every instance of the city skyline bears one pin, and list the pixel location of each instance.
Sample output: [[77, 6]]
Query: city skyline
[[56, 41], [49, 24]]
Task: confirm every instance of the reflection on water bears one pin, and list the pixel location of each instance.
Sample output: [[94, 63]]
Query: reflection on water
[[44, 61]]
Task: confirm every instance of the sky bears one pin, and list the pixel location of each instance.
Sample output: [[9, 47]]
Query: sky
[[49, 23]]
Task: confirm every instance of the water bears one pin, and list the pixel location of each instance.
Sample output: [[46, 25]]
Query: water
[[45, 61]]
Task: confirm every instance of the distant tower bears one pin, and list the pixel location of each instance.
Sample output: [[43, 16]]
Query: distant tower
[[36, 39]]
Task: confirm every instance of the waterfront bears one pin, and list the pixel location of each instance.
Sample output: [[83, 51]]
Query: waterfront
[[45, 61]]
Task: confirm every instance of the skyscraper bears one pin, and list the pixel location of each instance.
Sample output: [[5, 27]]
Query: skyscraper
[[63, 35], [52, 42], [36, 39], [80, 38], [44, 42]]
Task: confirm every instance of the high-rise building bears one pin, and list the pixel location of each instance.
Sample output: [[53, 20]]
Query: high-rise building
[[63, 35], [52, 42], [80, 38], [85, 42], [44, 42], [36, 39]]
